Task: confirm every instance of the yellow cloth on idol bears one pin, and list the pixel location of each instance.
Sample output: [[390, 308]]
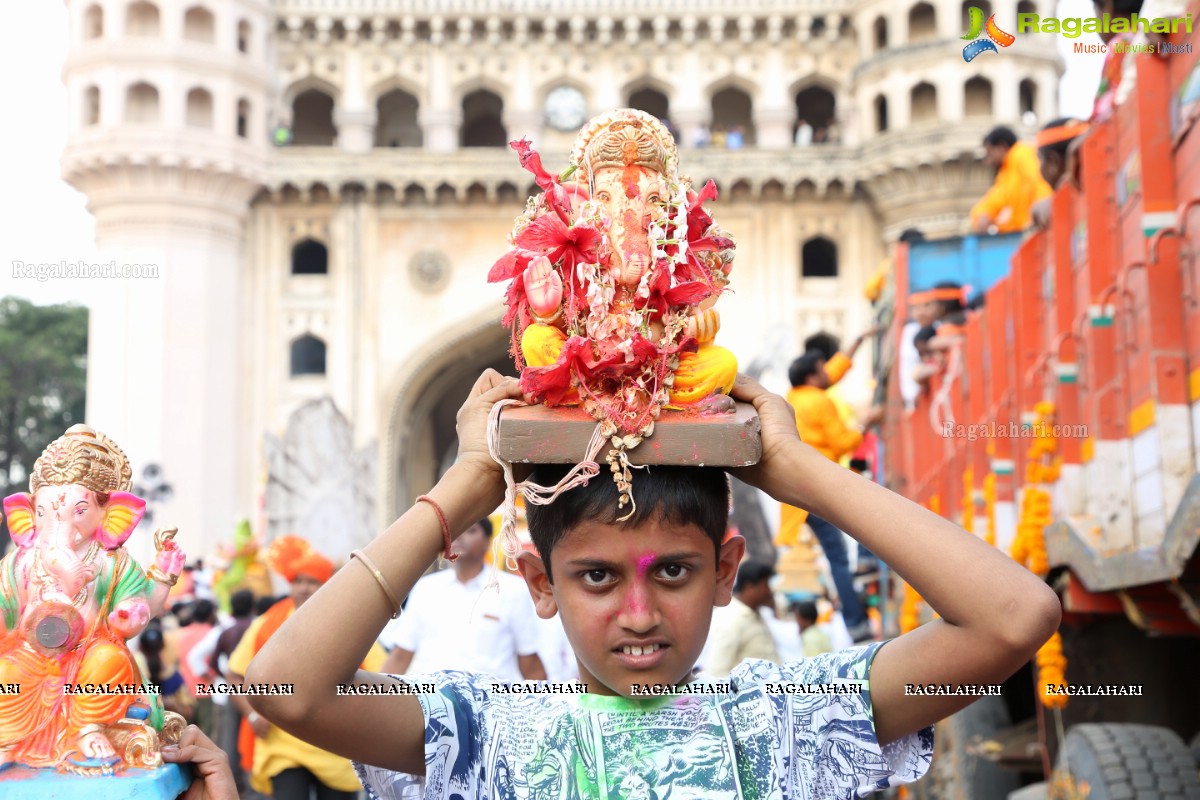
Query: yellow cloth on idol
[[280, 750], [710, 369]]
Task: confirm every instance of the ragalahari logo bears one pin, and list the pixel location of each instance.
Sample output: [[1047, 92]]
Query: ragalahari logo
[[995, 36]]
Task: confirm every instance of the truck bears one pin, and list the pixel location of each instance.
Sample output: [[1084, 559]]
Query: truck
[[1064, 428]]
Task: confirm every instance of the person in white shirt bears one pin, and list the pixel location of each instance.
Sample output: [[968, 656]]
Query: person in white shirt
[[453, 620]]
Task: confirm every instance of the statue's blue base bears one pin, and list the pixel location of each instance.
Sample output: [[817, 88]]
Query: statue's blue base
[[166, 783]]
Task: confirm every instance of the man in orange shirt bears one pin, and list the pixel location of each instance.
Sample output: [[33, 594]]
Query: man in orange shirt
[[821, 426], [1007, 206]]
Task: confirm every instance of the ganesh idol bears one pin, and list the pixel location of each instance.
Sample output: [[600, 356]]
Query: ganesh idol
[[615, 270], [70, 597]]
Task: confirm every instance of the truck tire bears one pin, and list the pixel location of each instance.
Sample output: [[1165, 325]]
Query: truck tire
[[1124, 761]]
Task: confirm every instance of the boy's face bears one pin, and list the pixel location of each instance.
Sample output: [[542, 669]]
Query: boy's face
[[651, 587]]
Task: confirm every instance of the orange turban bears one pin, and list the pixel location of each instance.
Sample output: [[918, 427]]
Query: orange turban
[[292, 556]]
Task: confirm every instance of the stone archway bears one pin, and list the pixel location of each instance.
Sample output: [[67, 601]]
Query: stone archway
[[421, 441]]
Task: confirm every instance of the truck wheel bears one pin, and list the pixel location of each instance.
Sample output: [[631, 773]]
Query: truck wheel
[[956, 773], [1129, 762]]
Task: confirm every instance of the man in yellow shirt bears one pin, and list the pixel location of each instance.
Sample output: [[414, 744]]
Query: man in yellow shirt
[[280, 765], [821, 426], [1007, 206]]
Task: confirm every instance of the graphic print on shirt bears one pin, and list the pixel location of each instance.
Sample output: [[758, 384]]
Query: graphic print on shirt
[[751, 742]]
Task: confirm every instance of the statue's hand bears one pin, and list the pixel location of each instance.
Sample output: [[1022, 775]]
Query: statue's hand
[[73, 574], [129, 617], [703, 326], [543, 287], [170, 559]]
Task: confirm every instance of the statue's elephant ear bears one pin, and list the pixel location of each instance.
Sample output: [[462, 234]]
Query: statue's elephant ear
[[122, 514], [18, 510]]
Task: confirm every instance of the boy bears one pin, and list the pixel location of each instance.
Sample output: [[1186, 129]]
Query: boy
[[636, 603]]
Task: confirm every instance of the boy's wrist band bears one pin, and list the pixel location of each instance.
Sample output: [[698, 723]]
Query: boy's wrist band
[[446, 554], [382, 581]]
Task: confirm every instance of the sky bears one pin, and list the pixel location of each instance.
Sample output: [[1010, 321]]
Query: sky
[[42, 219]]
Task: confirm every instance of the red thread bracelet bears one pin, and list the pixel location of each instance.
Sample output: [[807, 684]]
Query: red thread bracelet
[[441, 515]]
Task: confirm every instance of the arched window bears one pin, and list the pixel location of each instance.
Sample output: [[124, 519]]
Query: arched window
[[924, 103], [141, 19], [651, 101], [881, 114], [1027, 96], [483, 120], [733, 112], [312, 119], [243, 118], [198, 25], [308, 356], [977, 97], [93, 22], [816, 107], [818, 258], [91, 106], [199, 108], [310, 257], [396, 121], [880, 29], [922, 23], [243, 36], [141, 103]]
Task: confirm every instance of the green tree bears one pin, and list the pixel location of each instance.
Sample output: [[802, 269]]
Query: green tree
[[43, 355]]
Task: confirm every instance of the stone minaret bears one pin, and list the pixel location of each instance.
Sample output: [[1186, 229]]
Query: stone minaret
[[168, 139]]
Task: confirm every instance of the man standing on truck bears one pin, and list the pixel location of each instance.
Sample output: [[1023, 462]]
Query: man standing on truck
[[821, 426], [1006, 208]]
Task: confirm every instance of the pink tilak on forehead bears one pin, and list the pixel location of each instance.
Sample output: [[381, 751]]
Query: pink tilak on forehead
[[643, 563]]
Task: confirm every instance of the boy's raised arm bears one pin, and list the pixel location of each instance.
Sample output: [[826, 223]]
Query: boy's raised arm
[[322, 644], [995, 614]]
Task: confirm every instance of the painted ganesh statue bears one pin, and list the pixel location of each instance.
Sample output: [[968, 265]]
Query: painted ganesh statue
[[615, 268], [70, 597]]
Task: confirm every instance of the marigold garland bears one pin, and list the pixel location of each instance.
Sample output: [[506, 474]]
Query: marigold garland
[[989, 507], [1052, 667], [910, 610], [1029, 547]]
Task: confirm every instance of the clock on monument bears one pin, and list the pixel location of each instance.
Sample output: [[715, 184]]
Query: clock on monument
[[566, 109]]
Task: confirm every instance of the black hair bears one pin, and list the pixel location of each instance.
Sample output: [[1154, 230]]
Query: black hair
[[912, 235], [804, 366], [950, 306], [151, 643], [752, 572], [242, 603], [678, 495], [263, 603], [1001, 134], [924, 335], [203, 612], [824, 343], [805, 610], [486, 524], [1058, 147]]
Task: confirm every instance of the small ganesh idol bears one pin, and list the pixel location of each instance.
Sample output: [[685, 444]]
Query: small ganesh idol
[[70, 597], [615, 270]]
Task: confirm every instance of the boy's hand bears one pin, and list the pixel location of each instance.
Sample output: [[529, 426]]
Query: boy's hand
[[472, 424], [780, 440]]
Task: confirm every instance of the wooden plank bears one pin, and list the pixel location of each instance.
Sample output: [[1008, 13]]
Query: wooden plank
[[541, 435]]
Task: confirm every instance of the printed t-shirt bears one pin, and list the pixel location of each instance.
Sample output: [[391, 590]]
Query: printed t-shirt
[[748, 742]]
